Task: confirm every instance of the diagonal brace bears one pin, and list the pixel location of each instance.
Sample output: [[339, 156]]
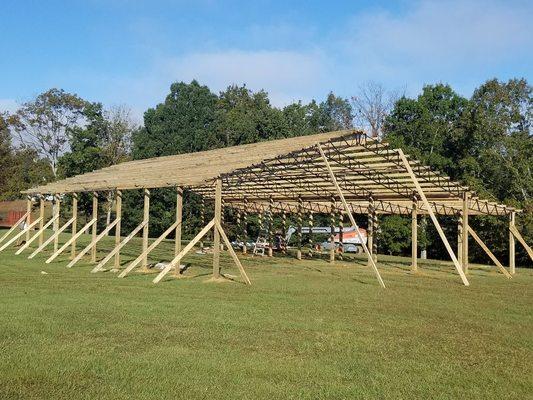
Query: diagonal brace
[[352, 219], [69, 242]]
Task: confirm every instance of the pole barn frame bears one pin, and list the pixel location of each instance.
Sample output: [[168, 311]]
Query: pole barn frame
[[336, 173]]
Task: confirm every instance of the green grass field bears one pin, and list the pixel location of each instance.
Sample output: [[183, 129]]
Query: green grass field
[[304, 330]]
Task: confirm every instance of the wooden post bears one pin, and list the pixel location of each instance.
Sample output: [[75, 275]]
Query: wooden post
[[341, 235], [310, 240], [299, 228], [284, 230], [216, 233], [245, 226], [348, 211], [270, 225], [464, 246], [56, 222], [512, 244], [94, 227], [74, 224], [422, 196], [146, 218], [414, 235], [332, 231], [202, 217], [118, 216], [28, 218], [179, 220], [370, 226], [41, 215], [460, 237]]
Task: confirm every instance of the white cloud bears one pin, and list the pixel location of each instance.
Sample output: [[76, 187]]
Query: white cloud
[[453, 40], [286, 75]]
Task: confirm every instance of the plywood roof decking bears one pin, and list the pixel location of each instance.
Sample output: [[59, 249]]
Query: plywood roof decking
[[283, 170]]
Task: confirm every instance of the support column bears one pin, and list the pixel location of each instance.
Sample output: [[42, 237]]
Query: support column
[[284, 231], [41, 214], [464, 247], [146, 231], [341, 235], [414, 235], [460, 237], [118, 213], [332, 232], [95, 227], [74, 224], [299, 228], [179, 220], [216, 233], [202, 217], [370, 227], [310, 240], [512, 248], [56, 222], [28, 217], [270, 226], [245, 226]]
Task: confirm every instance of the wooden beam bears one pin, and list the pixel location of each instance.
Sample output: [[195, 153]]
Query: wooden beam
[[74, 224], [332, 231], [95, 227], [41, 214], [118, 217], [464, 245], [179, 218], [70, 241], [56, 222], [54, 237], [28, 218], [512, 245], [488, 252], [93, 243], [116, 249], [176, 261], [232, 253], [518, 236], [37, 235], [216, 233], [20, 234], [146, 227], [146, 252], [460, 238], [352, 219], [422, 196], [414, 235]]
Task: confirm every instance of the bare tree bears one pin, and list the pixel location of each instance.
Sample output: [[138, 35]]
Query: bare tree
[[44, 124], [372, 105]]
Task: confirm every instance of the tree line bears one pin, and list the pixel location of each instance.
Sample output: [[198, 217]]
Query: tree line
[[483, 141]]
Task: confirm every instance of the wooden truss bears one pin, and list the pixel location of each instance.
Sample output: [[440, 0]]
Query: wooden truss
[[340, 173]]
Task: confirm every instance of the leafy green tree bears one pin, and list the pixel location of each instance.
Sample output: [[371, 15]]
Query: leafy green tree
[[184, 123]]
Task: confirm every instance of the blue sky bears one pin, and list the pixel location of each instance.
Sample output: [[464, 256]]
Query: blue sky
[[128, 52]]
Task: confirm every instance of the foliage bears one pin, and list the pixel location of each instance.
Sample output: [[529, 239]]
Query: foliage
[[484, 142], [45, 123]]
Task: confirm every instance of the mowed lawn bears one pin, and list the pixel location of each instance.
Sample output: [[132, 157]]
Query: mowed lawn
[[304, 330]]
